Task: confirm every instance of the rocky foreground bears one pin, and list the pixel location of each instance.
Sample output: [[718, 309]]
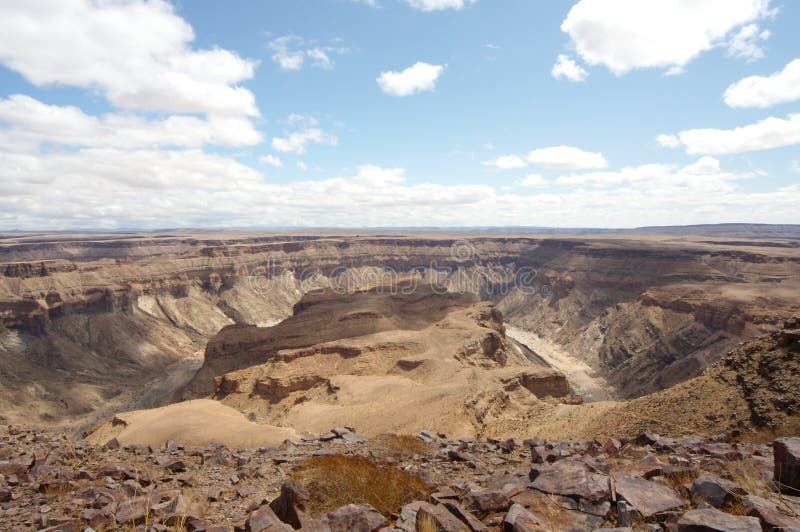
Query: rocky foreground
[[343, 481]]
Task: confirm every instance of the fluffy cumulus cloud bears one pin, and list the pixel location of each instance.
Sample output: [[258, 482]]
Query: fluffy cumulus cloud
[[506, 162], [419, 77], [137, 54], [668, 141], [566, 158], [291, 52], [628, 34], [769, 133], [765, 91], [746, 43], [566, 67], [437, 5], [28, 124], [297, 141], [271, 160]]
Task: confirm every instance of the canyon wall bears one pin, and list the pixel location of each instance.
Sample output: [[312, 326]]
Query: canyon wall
[[89, 325]]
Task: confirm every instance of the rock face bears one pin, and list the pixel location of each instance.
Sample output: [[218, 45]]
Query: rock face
[[752, 386], [382, 359]]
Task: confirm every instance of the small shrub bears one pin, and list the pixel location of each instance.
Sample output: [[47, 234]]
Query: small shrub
[[400, 446], [333, 481]]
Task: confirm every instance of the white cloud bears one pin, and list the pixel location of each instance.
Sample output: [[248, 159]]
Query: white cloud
[[271, 160], [417, 78], [704, 165], [533, 181], [703, 176], [437, 5], [628, 34], [507, 162], [745, 44], [297, 141], [566, 67], [30, 123], [137, 54], [302, 166], [668, 141], [769, 133], [794, 166], [291, 51], [151, 188], [566, 157], [764, 91]]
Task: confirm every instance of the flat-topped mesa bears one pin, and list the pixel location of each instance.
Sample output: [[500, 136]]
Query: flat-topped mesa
[[388, 359], [41, 268]]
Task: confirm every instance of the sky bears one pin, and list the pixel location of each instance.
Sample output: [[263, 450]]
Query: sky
[[133, 114]]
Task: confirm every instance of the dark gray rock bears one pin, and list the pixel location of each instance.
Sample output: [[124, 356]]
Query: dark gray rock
[[786, 452], [715, 490]]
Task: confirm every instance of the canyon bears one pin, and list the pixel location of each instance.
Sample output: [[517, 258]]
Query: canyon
[[414, 380], [87, 322]]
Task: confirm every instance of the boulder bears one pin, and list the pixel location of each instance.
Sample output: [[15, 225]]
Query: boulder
[[645, 496], [132, 511], [771, 514], [464, 516], [518, 519], [290, 506], [485, 501], [407, 521], [715, 490], [572, 479], [265, 520], [786, 453], [438, 517], [713, 520], [356, 518]]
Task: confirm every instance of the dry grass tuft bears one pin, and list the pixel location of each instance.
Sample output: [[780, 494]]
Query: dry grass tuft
[[681, 480], [335, 480], [426, 523], [400, 446]]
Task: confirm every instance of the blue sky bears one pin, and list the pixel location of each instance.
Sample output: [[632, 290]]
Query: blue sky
[[353, 113]]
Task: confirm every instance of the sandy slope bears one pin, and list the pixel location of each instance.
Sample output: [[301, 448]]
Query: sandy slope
[[198, 422], [581, 377]]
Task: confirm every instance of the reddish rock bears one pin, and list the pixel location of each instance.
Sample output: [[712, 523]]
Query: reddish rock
[[518, 519], [771, 514], [118, 471], [464, 516], [713, 520], [485, 501], [290, 506], [440, 517], [265, 520], [715, 490], [645, 496], [355, 518], [572, 479]]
